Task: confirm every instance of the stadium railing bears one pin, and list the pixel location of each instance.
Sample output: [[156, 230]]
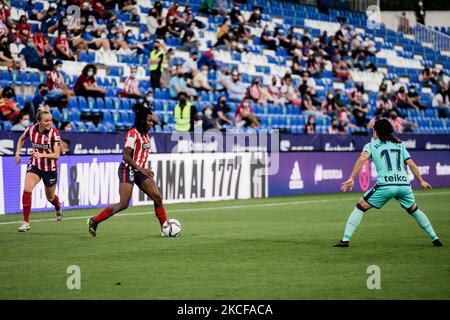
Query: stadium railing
[[425, 35]]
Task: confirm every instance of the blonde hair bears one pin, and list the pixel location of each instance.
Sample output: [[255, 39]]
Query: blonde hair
[[41, 113]]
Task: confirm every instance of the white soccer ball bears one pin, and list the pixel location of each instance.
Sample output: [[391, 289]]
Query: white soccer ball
[[171, 228]]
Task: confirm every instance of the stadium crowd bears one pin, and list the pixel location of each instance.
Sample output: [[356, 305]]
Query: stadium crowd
[[62, 36]]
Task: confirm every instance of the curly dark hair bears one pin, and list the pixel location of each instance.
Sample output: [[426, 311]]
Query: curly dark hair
[[87, 67]]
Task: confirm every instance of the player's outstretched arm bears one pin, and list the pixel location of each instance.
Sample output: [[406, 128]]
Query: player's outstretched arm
[[415, 170], [348, 185]]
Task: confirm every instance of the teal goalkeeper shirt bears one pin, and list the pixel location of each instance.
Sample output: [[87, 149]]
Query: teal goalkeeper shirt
[[389, 159]]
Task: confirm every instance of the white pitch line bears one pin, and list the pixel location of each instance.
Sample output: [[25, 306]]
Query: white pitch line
[[270, 204]]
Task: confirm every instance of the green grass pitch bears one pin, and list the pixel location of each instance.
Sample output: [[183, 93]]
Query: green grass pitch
[[276, 248]]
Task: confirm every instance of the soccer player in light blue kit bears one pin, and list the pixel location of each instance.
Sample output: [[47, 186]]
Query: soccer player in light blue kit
[[390, 157]]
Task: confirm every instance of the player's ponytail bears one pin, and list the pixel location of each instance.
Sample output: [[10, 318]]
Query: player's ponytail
[[385, 131], [141, 111]]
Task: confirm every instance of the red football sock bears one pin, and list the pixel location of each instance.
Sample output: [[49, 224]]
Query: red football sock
[[160, 213], [26, 204], [56, 203], [105, 214]]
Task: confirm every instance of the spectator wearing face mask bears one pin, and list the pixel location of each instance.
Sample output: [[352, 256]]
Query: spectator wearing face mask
[[414, 98], [43, 46], [257, 92], [62, 48], [385, 105], [40, 98], [8, 109], [420, 12], [329, 105], [185, 114], [236, 15], [222, 79], [156, 62], [255, 17], [208, 121], [222, 112], [235, 87], [441, 104], [189, 38], [177, 84], [336, 128], [245, 116], [94, 42], [359, 109], [131, 86], [50, 21], [32, 12], [33, 59], [55, 83], [310, 127], [190, 67], [86, 84], [401, 100], [200, 80], [274, 91], [65, 126], [22, 122], [23, 29], [399, 123]]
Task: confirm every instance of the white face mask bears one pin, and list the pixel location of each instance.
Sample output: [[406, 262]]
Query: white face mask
[[25, 123], [63, 36], [208, 112], [246, 104], [133, 74], [90, 73]]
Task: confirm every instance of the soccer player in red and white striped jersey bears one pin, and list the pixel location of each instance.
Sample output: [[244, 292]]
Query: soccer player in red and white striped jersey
[[134, 170], [46, 143]]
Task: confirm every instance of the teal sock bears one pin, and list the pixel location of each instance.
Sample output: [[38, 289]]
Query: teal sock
[[352, 223], [424, 223]]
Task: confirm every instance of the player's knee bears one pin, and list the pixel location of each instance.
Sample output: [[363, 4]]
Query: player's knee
[[412, 209], [157, 199], [362, 205], [50, 198], [123, 206]]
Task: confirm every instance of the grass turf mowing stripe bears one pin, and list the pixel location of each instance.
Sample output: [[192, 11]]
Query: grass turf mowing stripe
[[270, 204]]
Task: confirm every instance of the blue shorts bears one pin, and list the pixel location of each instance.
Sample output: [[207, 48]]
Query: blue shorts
[[378, 196], [55, 93], [129, 175], [49, 177]]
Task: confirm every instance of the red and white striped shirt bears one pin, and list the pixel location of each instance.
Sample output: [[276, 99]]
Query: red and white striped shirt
[[44, 142], [54, 79], [140, 143]]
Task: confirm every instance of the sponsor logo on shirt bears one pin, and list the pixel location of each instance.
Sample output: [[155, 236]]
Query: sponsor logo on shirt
[[396, 178]]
